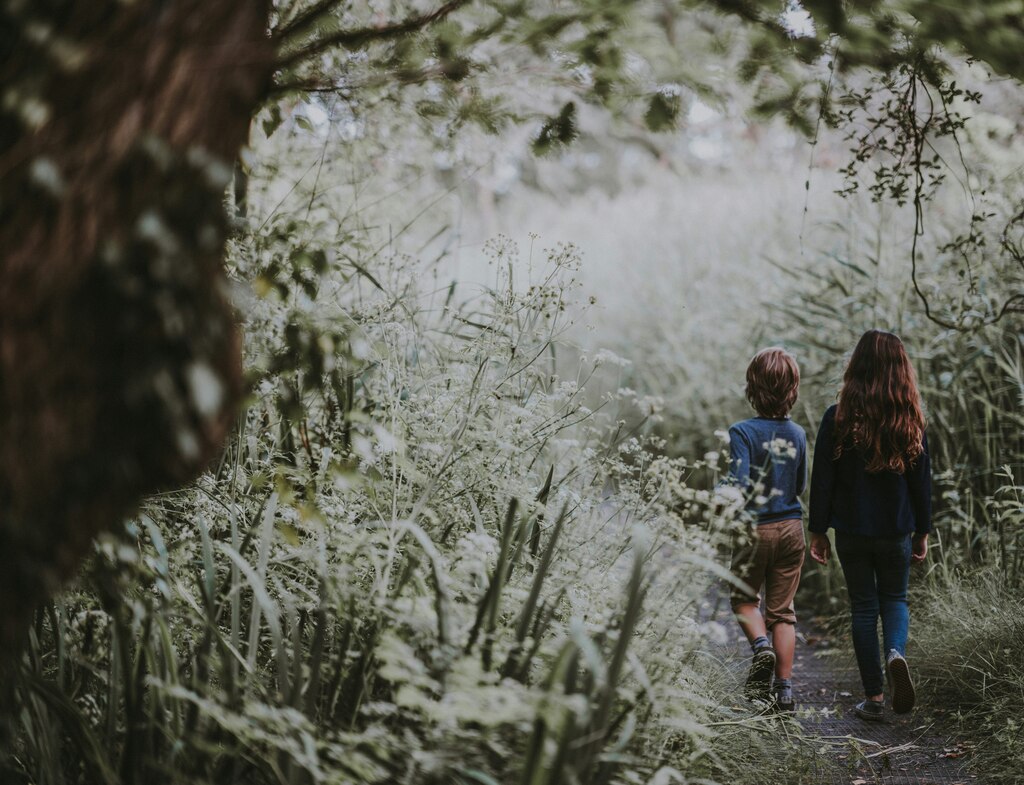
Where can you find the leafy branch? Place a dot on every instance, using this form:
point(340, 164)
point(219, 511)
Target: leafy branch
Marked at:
point(896, 136)
point(351, 39)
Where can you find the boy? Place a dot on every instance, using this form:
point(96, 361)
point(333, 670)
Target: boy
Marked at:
point(768, 465)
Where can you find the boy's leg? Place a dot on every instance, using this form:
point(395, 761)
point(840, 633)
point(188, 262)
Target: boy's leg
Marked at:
point(748, 614)
point(857, 560)
point(784, 643)
point(762, 664)
point(748, 564)
point(781, 582)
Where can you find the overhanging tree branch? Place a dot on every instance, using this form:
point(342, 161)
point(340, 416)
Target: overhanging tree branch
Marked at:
point(419, 76)
point(305, 19)
point(359, 37)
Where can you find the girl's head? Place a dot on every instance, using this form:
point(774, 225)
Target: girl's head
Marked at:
point(879, 409)
point(773, 381)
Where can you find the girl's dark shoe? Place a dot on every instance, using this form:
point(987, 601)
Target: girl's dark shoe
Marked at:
point(759, 680)
point(901, 686)
point(872, 711)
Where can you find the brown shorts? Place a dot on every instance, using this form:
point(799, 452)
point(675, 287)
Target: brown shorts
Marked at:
point(773, 561)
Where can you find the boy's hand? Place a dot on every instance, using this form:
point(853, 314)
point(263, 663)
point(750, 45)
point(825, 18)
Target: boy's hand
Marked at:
point(919, 548)
point(821, 548)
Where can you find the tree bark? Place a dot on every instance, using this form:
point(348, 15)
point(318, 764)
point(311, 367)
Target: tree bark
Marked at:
point(119, 355)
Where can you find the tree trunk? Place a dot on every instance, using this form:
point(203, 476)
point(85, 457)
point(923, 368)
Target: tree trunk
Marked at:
point(119, 354)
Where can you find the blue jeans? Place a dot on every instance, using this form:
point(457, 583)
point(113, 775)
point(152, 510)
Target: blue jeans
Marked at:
point(877, 571)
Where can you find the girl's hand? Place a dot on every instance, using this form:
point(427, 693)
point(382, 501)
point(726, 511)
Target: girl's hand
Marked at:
point(919, 548)
point(821, 548)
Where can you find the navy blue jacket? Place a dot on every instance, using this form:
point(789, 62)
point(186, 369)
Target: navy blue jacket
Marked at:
point(848, 498)
point(772, 452)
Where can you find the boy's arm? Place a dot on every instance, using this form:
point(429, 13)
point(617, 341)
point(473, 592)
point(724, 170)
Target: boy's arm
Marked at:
point(822, 478)
point(739, 459)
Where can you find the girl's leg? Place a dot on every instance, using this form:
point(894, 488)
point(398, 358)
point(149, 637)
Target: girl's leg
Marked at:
point(857, 559)
point(893, 562)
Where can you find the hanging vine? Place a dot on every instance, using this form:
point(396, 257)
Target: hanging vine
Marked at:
point(899, 121)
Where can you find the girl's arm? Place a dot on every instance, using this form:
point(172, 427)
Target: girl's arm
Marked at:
point(822, 478)
point(919, 483)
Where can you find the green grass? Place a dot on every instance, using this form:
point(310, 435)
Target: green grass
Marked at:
point(968, 638)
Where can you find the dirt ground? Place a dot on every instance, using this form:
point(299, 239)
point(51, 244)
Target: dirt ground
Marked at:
point(913, 749)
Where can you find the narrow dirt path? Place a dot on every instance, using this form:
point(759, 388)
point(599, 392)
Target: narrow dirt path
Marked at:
point(912, 749)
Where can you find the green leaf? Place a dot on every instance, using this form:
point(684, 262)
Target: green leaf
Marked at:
point(662, 111)
point(558, 131)
point(273, 120)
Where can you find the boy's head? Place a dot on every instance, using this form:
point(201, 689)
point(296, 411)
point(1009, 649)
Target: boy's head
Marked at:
point(773, 380)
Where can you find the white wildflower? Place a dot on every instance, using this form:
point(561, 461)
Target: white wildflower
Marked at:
point(606, 357)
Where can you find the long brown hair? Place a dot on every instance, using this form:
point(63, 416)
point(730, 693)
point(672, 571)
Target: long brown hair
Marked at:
point(879, 410)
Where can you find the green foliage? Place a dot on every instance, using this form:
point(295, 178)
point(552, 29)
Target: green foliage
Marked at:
point(422, 558)
point(640, 61)
point(558, 131)
point(971, 387)
point(973, 634)
point(662, 112)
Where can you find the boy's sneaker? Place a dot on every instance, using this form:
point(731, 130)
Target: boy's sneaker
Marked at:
point(784, 699)
point(901, 686)
point(872, 711)
point(759, 680)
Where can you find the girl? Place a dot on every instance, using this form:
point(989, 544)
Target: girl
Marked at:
point(871, 482)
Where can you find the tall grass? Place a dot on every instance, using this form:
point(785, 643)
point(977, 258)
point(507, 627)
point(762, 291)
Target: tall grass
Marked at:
point(970, 381)
point(422, 558)
point(969, 634)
